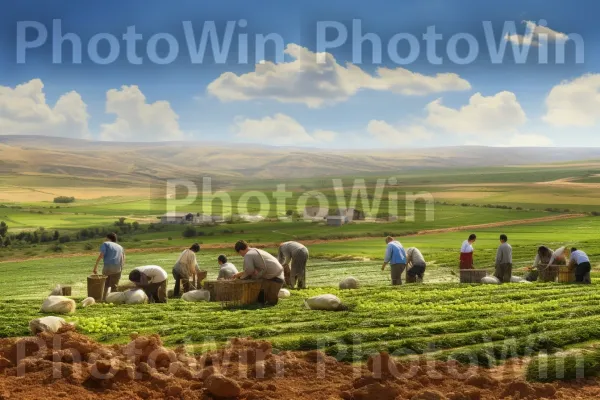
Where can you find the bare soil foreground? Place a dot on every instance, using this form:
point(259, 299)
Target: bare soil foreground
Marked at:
point(70, 366)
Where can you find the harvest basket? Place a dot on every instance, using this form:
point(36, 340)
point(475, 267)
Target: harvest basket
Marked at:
point(472, 275)
point(65, 290)
point(548, 274)
point(234, 293)
point(566, 275)
point(95, 286)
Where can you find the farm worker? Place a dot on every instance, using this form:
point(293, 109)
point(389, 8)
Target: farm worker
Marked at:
point(260, 265)
point(558, 257)
point(226, 269)
point(186, 269)
point(542, 259)
point(152, 279)
point(504, 260)
point(466, 252)
point(417, 264)
point(396, 257)
point(297, 253)
point(580, 261)
point(114, 260)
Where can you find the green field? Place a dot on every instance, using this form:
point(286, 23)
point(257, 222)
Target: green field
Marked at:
point(471, 323)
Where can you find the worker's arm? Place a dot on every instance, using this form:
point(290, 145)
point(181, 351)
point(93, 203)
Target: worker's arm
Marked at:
point(388, 256)
point(100, 257)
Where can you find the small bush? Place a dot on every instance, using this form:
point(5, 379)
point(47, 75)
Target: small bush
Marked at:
point(88, 246)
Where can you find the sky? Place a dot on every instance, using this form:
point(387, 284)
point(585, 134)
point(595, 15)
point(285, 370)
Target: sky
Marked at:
point(325, 74)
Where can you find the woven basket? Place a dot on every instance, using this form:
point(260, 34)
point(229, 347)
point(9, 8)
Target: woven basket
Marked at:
point(235, 293)
point(472, 275)
point(548, 274)
point(566, 275)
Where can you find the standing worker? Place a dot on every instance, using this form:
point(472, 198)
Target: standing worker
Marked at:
point(504, 260)
point(152, 279)
point(580, 261)
point(297, 253)
point(226, 269)
point(186, 269)
point(260, 265)
point(396, 257)
point(114, 260)
point(466, 252)
point(416, 263)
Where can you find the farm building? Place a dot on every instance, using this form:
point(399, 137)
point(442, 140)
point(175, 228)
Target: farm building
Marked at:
point(177, 218)
point(190, 218)
point(351, 213)
point(336, 220)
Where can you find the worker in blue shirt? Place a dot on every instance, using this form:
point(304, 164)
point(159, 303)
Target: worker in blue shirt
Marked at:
point(396, 257)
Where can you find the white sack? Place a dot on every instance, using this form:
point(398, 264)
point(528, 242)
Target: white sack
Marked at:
point(135, 296)
point(196, 295)
point(284, 294)
point(517, 279)
point(116, 298)
point(325, 302)
point(490, 280)
point(57, 291)
point(349, 283)
point(46, 324)
point(88, 301)
point(58, 305)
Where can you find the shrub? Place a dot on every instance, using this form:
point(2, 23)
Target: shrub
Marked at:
point(189, 231)
point(64, 239)
point(169, 238)
point(88, 246)
point(57, 248)
point(64, 199)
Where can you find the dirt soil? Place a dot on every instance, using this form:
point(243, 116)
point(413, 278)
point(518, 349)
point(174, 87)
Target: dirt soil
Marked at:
point(69, 365)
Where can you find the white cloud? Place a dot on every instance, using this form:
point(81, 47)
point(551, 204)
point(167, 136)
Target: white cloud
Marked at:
point(137, 120)
point(574, 103)
point(306, 81)
point(483, 115)
point(532, 35)
point(24, 111)
point(386, 133)
point(279, 130)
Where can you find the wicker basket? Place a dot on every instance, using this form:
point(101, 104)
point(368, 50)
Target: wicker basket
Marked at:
point(566, 275)
point(234, 293)
point(472, 275)
point(66, 290)
point(548, 274)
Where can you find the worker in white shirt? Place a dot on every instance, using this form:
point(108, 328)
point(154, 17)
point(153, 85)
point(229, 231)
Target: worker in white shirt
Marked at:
point(580, 261)
point(152, 279)
point(416, 263)
point(466, 252)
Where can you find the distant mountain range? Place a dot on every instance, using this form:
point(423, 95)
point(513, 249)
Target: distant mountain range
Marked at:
point(41, 155)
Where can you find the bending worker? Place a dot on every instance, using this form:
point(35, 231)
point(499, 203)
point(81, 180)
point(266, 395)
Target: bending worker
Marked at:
point(297, 253)
point(396, 257)
point(580, 261)
point(152, 279)
point(416, 263)
point(187, 271)
point(260, 265)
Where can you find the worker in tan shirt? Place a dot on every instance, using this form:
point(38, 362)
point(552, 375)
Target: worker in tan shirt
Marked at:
point(260, 265)
point(187, 271)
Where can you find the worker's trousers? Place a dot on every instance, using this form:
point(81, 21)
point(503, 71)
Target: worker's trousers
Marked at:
point(503, 272)
point(582, 273)
point(396, 271)
point(297, 273)
point(156, 292)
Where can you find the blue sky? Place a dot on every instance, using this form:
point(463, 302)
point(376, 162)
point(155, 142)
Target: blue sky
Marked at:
point(304, 103)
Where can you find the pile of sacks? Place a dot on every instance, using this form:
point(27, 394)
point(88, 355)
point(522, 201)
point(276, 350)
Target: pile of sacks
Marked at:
point(492, 280)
